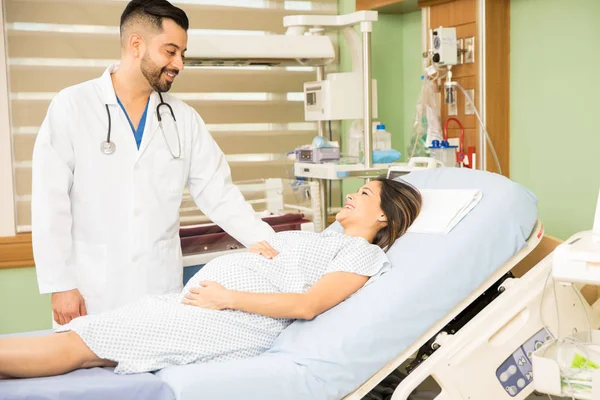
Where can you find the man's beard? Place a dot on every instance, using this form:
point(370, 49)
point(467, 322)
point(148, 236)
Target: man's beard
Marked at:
point(154, 75)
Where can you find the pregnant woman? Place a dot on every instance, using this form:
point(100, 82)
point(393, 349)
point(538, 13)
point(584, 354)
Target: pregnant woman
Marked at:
point(237, 305)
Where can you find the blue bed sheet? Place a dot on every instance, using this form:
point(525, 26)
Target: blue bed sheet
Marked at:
point(88, 384)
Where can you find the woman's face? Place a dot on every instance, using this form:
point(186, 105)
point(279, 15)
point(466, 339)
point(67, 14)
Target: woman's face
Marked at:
point(363, 207)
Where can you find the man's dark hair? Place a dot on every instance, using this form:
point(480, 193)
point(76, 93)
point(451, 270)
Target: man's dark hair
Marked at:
point(153, 12)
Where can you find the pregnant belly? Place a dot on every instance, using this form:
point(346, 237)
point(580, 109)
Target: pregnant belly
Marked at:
point(232, 277)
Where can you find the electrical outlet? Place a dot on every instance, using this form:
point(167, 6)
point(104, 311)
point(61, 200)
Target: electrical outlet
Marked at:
point(450, 99)
point(469, 107)
point(452, 109)
point(460, 59)
point(469, 54)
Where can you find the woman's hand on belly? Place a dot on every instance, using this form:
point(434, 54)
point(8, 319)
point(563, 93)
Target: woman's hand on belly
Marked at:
point(211, 295)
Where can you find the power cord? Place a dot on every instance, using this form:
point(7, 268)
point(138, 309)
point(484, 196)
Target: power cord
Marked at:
point(487, 135)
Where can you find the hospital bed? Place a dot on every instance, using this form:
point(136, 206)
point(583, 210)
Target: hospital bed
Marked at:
point(449, 304)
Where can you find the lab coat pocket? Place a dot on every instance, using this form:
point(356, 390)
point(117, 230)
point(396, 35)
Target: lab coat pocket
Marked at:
point(91, 265)
point(171, 265)
point(170, 173)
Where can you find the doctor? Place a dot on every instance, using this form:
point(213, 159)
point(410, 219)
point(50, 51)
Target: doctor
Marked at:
point(110, 163)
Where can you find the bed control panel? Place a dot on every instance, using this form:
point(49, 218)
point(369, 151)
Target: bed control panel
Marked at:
point(517, 372)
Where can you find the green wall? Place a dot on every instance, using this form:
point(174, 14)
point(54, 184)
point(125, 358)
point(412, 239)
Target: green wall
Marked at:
point(555, 139)
point(22, 308)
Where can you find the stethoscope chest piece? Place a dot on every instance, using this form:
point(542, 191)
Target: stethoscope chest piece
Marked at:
point(107, 147)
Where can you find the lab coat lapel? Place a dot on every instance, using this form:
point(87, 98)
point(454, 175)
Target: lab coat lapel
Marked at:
point(109, 97)
point(120, 129)
point(151, 125)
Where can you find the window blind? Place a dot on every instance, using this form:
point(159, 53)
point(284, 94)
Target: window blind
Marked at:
point(255, 114)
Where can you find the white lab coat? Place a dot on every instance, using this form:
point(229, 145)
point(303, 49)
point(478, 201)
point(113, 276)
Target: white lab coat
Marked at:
point(108, 225)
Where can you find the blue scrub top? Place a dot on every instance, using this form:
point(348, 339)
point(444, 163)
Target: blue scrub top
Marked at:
point(140, 130)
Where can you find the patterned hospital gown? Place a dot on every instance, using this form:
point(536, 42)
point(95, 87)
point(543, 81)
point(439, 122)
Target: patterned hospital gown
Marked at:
point(159, 331)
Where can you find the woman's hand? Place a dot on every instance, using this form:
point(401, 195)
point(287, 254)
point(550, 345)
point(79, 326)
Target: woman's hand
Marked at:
point(264, 249)
point(210, 295)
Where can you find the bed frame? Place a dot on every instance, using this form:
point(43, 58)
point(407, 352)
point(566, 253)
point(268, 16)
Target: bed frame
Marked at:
point(437, 345)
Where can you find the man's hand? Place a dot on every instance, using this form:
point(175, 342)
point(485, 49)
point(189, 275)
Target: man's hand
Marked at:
point(264, 249)
point(67, 306)
point(210, 295)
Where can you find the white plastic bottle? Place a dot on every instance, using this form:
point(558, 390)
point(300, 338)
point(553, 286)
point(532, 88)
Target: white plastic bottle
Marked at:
point(356, 141)
point(382, 140)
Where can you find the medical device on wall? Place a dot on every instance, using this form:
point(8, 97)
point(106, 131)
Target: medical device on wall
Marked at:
point(444, 46)
point(339, 97)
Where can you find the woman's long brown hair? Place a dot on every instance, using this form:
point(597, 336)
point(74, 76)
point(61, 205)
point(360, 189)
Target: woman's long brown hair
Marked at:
point(401, 204)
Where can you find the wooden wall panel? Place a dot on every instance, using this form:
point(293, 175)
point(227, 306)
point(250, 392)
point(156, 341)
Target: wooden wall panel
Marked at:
point(458, 12)
point(498, 78)
point(461, 14)
point(16, 251)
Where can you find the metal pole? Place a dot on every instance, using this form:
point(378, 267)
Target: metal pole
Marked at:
point(368, 100)
point(482, 84)
point(323, 183)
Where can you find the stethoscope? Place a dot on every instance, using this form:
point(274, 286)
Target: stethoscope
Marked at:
point(108, 147)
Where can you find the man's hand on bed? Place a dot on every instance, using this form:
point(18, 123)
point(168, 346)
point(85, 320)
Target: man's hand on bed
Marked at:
point(264, 249)
point(209, 295)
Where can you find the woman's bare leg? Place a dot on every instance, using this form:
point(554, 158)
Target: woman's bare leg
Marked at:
point(55, 354)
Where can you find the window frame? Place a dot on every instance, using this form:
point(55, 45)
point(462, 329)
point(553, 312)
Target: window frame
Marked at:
point(15, 249)
point(8, 223)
